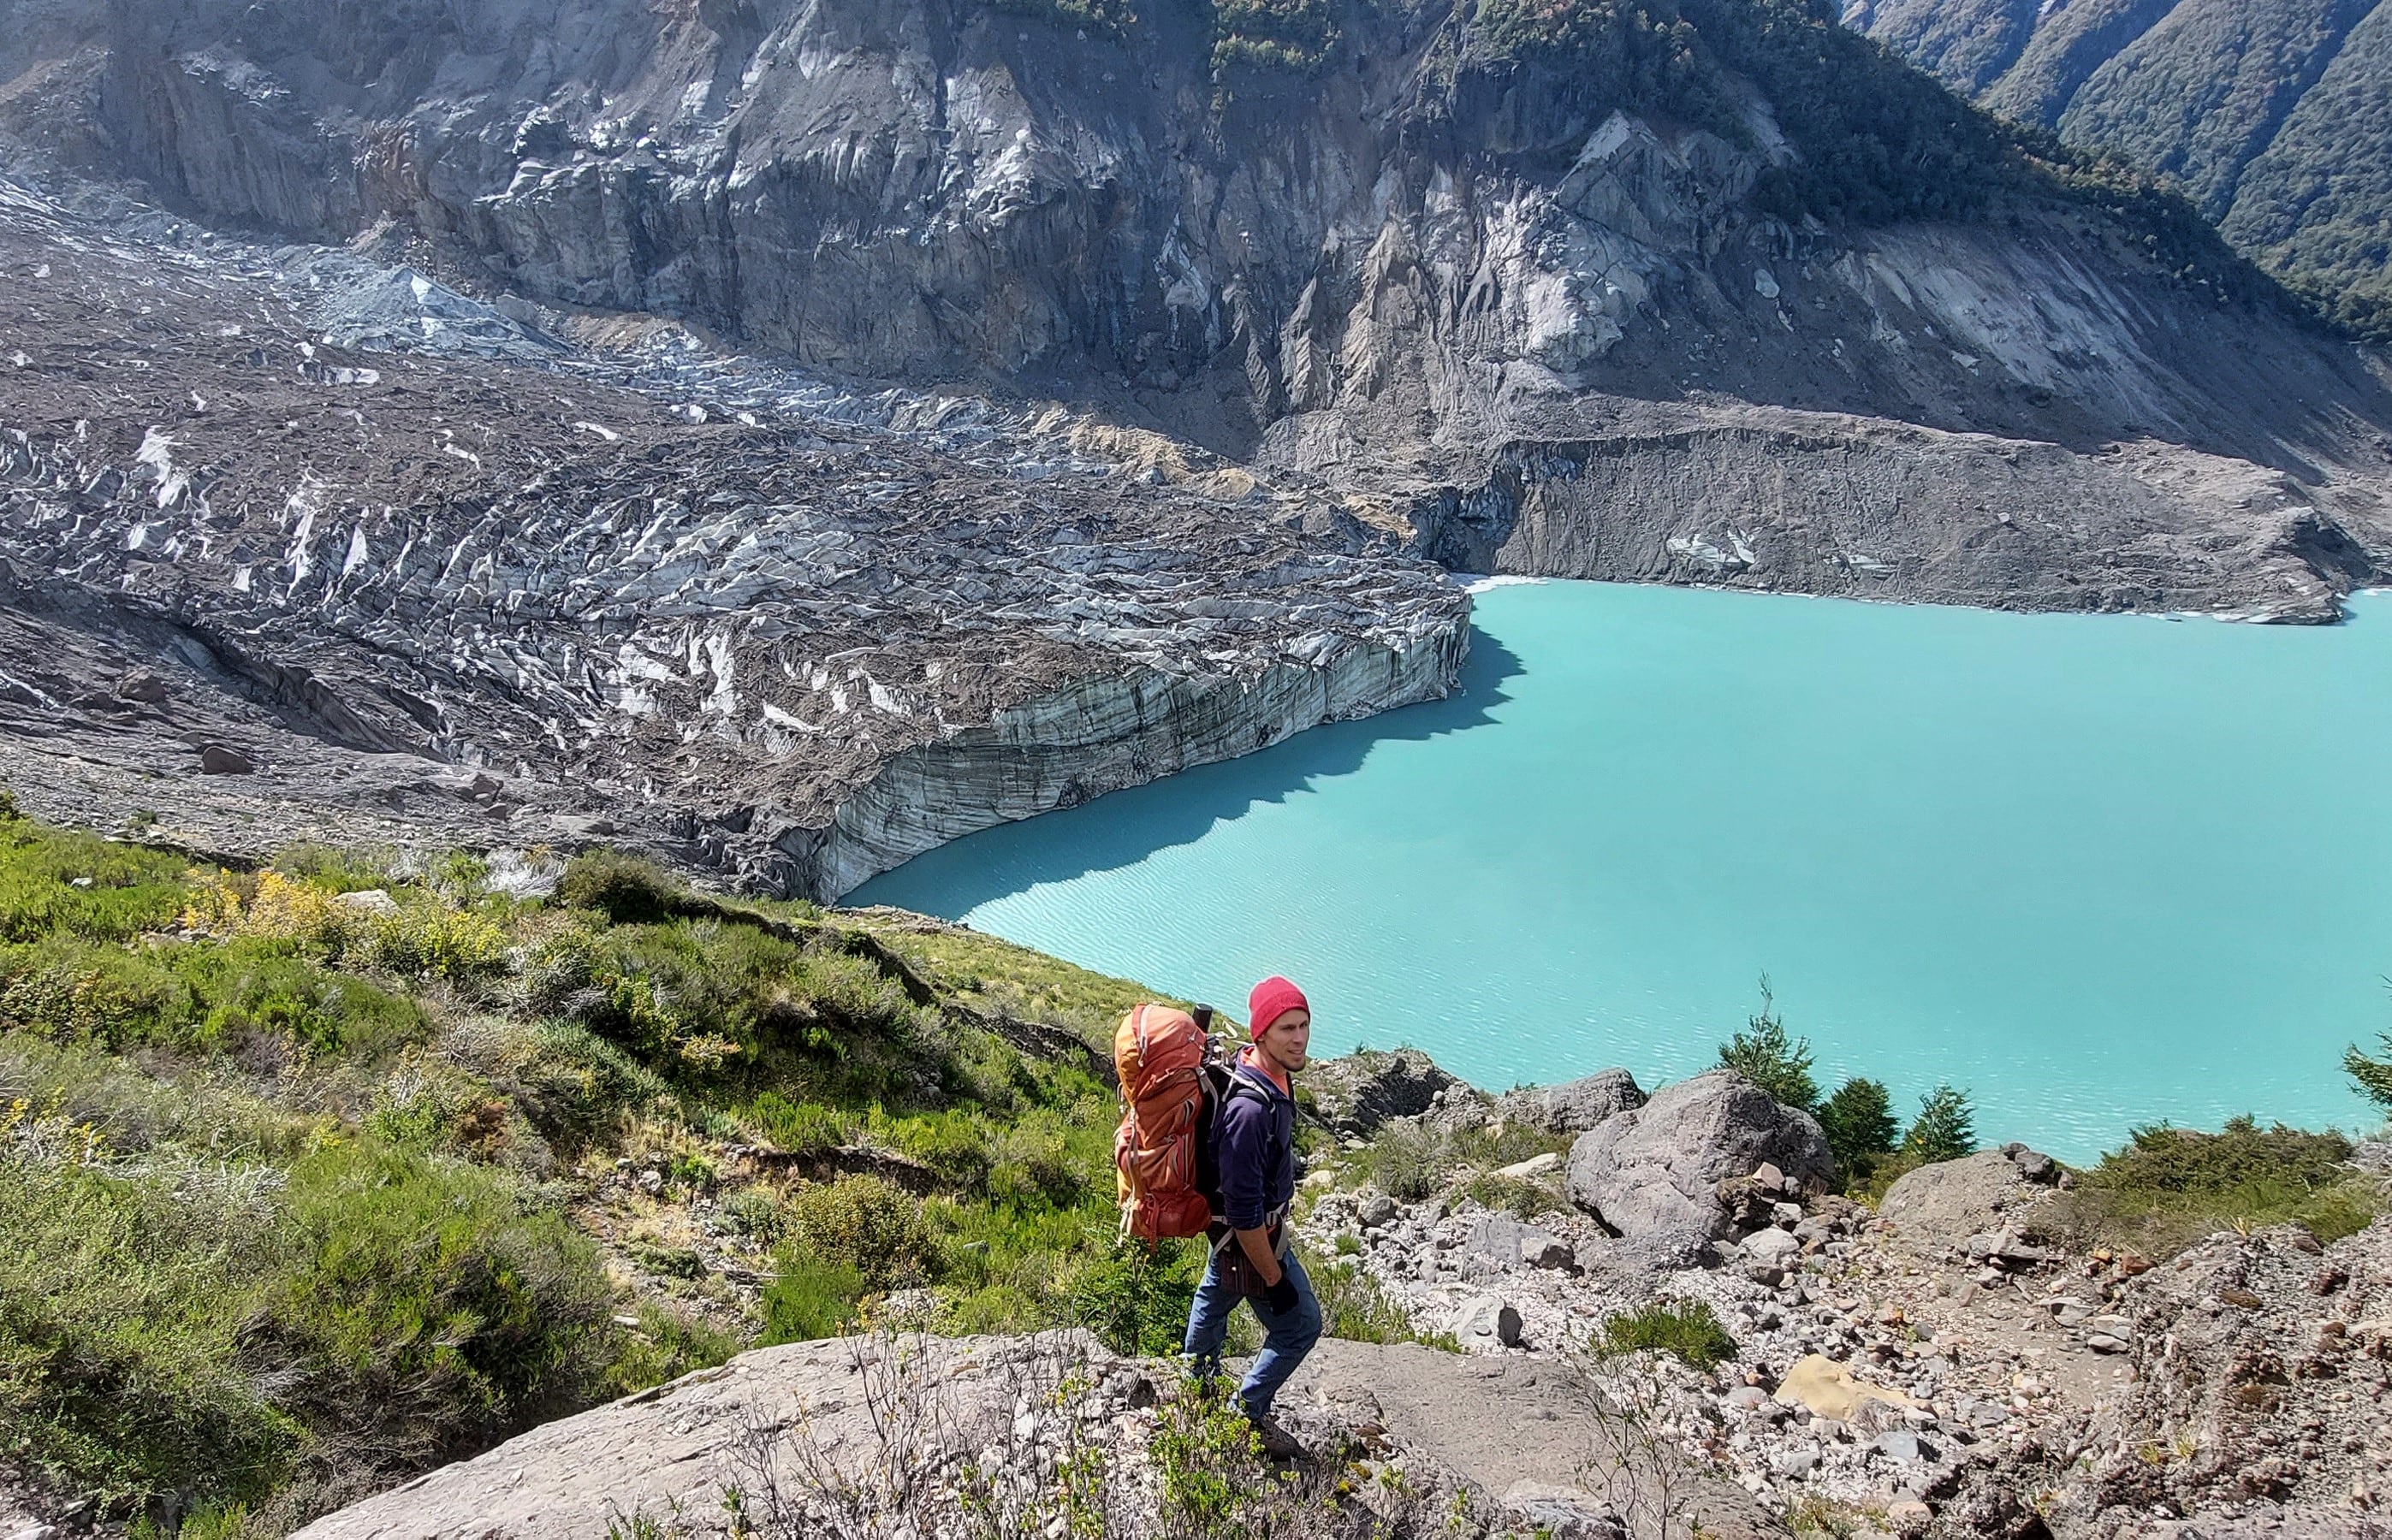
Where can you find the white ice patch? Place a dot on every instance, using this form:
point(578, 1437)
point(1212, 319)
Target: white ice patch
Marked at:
point(156, 452)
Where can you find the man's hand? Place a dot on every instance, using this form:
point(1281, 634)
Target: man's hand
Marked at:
point(1257, 1245)
point(1281, 1295)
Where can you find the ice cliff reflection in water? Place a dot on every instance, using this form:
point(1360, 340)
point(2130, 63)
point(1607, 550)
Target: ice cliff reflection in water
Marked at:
point(2102, 871)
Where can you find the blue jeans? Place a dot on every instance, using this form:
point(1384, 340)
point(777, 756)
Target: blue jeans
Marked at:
point(1287, 1335)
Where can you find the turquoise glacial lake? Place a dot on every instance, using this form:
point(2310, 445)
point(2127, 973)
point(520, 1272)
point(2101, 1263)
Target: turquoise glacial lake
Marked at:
point(2100, 871)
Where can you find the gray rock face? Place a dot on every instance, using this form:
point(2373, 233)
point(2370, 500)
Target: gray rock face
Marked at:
point(1509, 1244)
point(1576, 1106)
point(1357, 1093)
point(1464, 294)
point(1939, 1207)
point(774, 1421)
point(1658, 1167)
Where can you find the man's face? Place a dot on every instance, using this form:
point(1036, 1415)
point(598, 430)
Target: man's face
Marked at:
point(1285, 1041)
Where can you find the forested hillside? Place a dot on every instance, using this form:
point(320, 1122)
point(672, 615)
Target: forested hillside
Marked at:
point(2275, 116)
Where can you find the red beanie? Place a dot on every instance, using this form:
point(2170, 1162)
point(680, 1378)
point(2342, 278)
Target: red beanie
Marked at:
point(1272, 999)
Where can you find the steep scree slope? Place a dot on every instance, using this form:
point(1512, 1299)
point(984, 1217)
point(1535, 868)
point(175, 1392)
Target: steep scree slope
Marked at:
point(1441, 258)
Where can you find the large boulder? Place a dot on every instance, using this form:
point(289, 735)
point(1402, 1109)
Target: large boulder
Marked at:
point(1574, 1107)
point(1363, 1091)
point(1938, 1208)
point(1658, 1167)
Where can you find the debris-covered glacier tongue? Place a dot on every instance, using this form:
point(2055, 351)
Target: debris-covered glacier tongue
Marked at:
point(491, 591)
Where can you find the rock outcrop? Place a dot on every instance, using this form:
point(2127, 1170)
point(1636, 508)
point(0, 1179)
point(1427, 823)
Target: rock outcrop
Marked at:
point(1485, 296)
point(793, 1428)
point(1658, 1167)
point(1359, 1093)
point(1941, 1206)
point(1574, 1107)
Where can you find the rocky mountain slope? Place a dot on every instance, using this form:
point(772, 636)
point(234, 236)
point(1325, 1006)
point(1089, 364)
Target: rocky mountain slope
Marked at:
point(2269, 113)
point(1948, 1365)
point(1587, 290)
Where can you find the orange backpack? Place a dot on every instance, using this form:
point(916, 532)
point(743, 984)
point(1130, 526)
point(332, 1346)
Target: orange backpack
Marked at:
point(1163, 1151)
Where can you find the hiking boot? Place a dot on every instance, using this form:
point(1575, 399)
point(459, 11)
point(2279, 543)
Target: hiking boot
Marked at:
point(1275, 1440)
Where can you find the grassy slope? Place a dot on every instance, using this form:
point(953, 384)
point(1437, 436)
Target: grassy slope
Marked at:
point(301, 1192)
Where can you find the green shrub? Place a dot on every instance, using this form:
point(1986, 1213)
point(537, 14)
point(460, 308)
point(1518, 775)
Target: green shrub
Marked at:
point(810, 1298)
point(863, 1223)
point(804, 1129)
point(125, 890)
point(1945, 1128)
point(624, 888)
point(1111, 17)
point(73, 991)
point(428, 1310)
point(1033, 1162)
point(1859, 1123)
point(132, 1111)
point(1686, 1329)
point(1403, 1162)
point(1354, 1307)
point(575, 1085)
point(259, 986)
point(336, 871)
point(757, 1213)
point(1766, 1056)
point(1134, 1300)
point(431, 940)
point(664, 1346)
point(1510, 1194)
point(2372, 1076)
point(2169, 1187)
point(1275, 34)
point(123, 1301)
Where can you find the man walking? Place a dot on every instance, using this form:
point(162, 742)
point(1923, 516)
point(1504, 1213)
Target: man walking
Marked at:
point(1254, 1150)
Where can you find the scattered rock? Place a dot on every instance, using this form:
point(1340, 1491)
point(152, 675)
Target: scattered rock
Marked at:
point(1531, 1169)
point(1827, 1389)
point(142, 685)
point(1937, 1208)
point(1574, 1107)
point(1485, 1324)
point(1565, 1513)
point(369, 901)
point(2069, 1311)
point(1771, 1248)
point(1378, 1210)
point(1902, 1446)
point(217, 759)
point(1508, 1243)
point(1667, 1250)
point(2032, 1165)
point(1658, 1167)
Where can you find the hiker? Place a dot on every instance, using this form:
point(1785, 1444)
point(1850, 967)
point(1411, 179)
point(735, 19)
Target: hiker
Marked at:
point(1254, 1150)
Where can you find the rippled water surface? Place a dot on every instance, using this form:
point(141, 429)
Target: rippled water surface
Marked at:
point(2101, 871)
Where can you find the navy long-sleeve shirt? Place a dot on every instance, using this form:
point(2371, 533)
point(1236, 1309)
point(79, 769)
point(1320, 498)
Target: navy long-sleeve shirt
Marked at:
point(1254, 1148)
